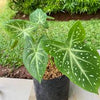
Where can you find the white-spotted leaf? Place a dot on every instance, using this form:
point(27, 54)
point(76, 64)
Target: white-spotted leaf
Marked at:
point(76, 33)
point(75, 59)
point(80, 63)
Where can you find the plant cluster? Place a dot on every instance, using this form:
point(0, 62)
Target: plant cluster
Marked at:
point(27, 6)
point(81, 6)
point(72, 6)
point(73, 57)
point(9, 57)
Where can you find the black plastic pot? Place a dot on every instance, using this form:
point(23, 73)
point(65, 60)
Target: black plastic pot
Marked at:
point(54, 89)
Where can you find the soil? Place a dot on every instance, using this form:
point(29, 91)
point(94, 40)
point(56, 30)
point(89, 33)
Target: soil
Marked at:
point(14, 73)
point(51, 71)
point(64, 16)
point(21, 72)
point(61, 16)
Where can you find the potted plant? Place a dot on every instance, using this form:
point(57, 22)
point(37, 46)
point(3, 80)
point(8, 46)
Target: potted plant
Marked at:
point(73, 58)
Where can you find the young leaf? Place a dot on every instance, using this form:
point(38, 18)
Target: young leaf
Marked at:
point(18, 28)
point(76, 33)
point(38, 17)
point(35, 58)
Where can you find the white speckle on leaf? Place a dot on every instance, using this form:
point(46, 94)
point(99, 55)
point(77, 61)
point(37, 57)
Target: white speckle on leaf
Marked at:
point(91, 75)
point(63, 54)
point(80, 47)
point(83, 57)
point(96, 79)
point(68, 72)
point(75, 74)
point(59, 56)
point(79, 79)
point(92, 68)
point(94, 83)
point(95, 57)
point(97, 63)
point(81, 53)
point(83, 79)
point(97, 73)
point(47, 45)
point(68, 66)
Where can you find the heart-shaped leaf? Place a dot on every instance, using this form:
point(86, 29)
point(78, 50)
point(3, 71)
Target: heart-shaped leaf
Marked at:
point(18, 28)
point(38, 17)
point(80, 63)
point(35, 58)
point(75, 59)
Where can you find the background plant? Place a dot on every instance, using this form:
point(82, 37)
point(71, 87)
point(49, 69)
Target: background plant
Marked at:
point(72, 6)
point(81, 6)
point(8, 57)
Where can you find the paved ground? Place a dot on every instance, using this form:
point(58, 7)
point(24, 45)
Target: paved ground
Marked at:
point(76, 93)
point(15, 89)
point(20, 89)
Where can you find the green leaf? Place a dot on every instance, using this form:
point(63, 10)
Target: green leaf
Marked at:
point(49, 17)
point(14, 43)
point(35, 58)
point(80, 63)
point(76, 33)
point(38, 17)
point(19, 28)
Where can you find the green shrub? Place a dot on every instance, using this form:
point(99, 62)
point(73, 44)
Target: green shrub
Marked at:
point(81, 6)
point(72, 6)
point(28, 6)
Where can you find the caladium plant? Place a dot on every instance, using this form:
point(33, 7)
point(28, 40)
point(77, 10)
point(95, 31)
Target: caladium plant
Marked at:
point(74, 58)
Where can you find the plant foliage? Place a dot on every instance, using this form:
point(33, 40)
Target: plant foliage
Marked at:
point(57, 30)
point(72, 6)
point(8, 57)
point(34, 54)
point(74, 58)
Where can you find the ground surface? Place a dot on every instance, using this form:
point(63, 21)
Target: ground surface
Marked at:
point(51, 72)
point(23, 89)
point(64, 16)
point(14, 73)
